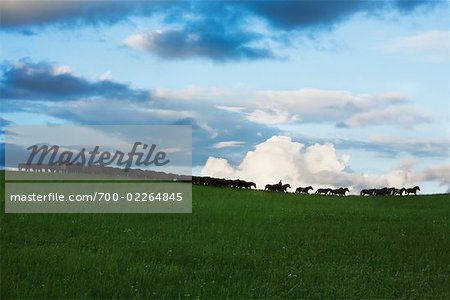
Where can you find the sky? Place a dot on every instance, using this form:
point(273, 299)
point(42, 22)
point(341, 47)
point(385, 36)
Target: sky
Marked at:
point(322, 93)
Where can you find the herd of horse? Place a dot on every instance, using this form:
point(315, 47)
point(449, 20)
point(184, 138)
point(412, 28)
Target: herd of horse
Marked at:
point(205, 180)
point(390, 191)
point(280, 187)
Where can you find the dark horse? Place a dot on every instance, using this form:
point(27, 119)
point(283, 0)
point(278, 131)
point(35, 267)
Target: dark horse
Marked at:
point(398, 192)
point(303, 189)
point(369, 192)
point(339, 191)
point(249, 184)
point(412, 190)
point(383, 191)
point(244, 184)
point(323, 191)
point(277, 187)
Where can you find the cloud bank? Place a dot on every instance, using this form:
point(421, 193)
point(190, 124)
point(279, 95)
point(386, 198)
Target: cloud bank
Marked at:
point(57, 91)
point(343, 108)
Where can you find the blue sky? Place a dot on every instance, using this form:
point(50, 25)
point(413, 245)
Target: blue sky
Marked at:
point(369, 78)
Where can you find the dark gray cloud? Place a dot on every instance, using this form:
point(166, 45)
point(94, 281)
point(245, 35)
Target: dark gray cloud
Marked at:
point(26, 80)
point(285, 14)
point(410, 5)
point(216, 30)
point(324, 14)
point(305, 14)
point(210, 39)
point(219, 31)
point(34, 13)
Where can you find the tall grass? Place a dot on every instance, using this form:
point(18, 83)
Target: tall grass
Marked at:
point(235, 244)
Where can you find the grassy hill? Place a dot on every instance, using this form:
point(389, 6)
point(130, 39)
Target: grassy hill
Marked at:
point(246, 244)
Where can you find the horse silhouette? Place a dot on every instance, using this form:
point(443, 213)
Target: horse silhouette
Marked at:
point(277, 187)
point(398, 192)
point(242, 184)
point(369, 192)
point(412, 190)
point(323, 191)
point(249, 185)
point(303, 189)
point(339, 192)
point(384, 191)
point(284, 187)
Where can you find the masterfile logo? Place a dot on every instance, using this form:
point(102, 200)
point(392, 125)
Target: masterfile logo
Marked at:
point(84, 157)
point(105, 168)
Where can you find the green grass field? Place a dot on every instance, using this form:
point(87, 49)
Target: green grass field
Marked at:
point(235, 244)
